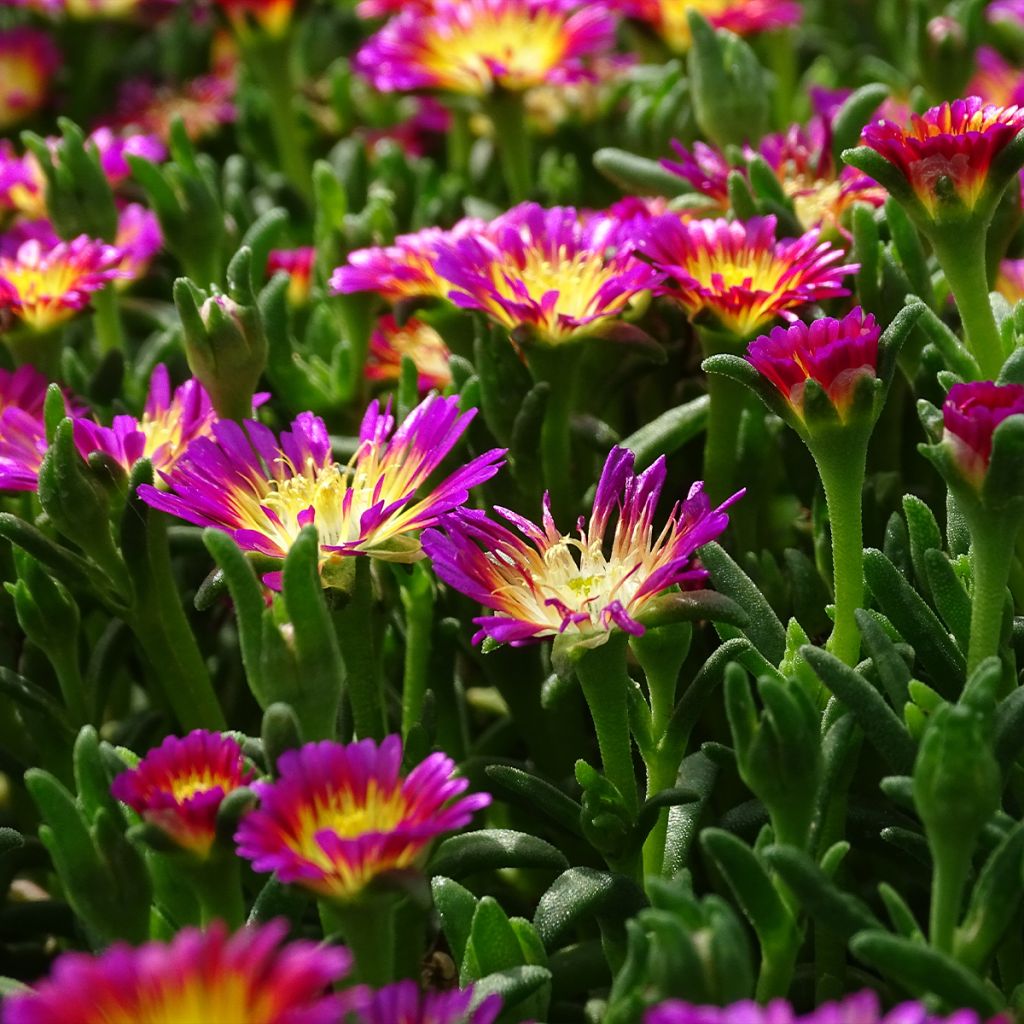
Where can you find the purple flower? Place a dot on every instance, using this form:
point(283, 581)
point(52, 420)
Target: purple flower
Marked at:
point(405, 1003)
point(544, 582)
point(22, 430)
point(970, 416)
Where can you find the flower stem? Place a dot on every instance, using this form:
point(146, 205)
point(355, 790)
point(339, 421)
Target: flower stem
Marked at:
point(218, 887)
point(842, 476)
point(602, 674)
point(991, 557)
point(951, 867)
point(961, 255)
point(558, 367)
point(513, 142)
point(354, 626)
point(728, 399)
point(107, 320)
point(418, 601)
point(368, 928)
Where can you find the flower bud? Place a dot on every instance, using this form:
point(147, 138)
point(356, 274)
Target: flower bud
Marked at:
point(970, 416)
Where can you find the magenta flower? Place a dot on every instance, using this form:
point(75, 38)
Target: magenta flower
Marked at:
point(414, 339)
point(339, 816)
point(861, 1008)
point(28, 60)
point(1010, 280)
point(406, 268)
point(834, 353)
point(298, 265)
point(743, 17)
point(406, 1003)
point(551, 583)
point(705, 169)
point(995, 79)
point(42, 286)
point(263, 490)
point(204, 105)
point(114, 148)
point(199, 975)
point(952, 145)
point(22, 430)
point(139, 238)
point(970, 416)
point(180, 785)
point(1005, 10)
point(475, 46)
point(738, 273)
point(22, 188)
point(548, 271)
point(168, 425)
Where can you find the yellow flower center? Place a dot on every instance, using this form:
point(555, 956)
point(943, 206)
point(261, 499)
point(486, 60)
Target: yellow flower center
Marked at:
point(41, 286)
point(675, 29)
point(227, 997)
point(100, 8)
point(186, 786)
point(21, 88)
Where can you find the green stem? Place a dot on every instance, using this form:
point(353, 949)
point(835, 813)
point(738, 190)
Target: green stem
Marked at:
point(513, 142)
point(459, 141)
point(776, 974)
point(961, 254)
point(842, 476)
point(368, 928)
point(107, 320)
point(951, 867)
point(991, 556)
point(354, 625)
point(558, 366)
point(418, 602)
point(218, 887)
point(603, 677)
point(721, 442)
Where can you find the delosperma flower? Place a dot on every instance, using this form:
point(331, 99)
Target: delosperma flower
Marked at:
point(948, 150)
point(22, 430)
point(475, 46)
point(414, 339)
point(298, 265)
point(544, 582)
point(548, 271)
point(405, 1002)
point(406, 269)
point(28, 60)
point(1010, 280)
point(860, 1008)
point(139, 238)
point(743, 17)
point(168, 425)
point(705, 169)
point(180, 785)
point(970, 416)
point(263, 490)
point(269, 16)
point(834, 353)
point(41, 286)
point(738, 273)
point(995, 79)
point(251, 976)
point(338, 816)
point(204, 105)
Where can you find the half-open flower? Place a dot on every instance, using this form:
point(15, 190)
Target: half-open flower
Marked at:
point(298, 265)
point(553, 272)
point(743, 17)
point(28, 59)
point(418, 341)
point(197, 976)
point(738, 273)
point(339, 816)
point(475, 46)
point(406, 1002)
point(263, 490)
point(179, 786)
point(970, 416)
point(22, 429)
point(542, 582)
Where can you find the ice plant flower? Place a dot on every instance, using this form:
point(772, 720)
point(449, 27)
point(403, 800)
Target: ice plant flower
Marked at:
point(22, 429)
point(705, 169)
point(948, 151)
point(139, 238)
point(272, 17)
point(407, 1003)
point(544, 582)
point(996, 80)
point(339, 816)
point(28, 60)
point(860, 1008)
point(22, 187)
point(168, 425)
point(114, 148)
point(475, 46)
point(298, 265)
point(41, 285)
point(197, 976)
point(742, 17)
point(180, 785)
point(415, 339)
point(738, 273)
point(1010, 280)
point(547, 271)
point(262, 490)
point(970, 416)
point(405, 269)
point(834, 353)
point(204, 104)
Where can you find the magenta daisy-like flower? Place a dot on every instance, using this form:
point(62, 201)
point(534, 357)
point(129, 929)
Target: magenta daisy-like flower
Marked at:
point(834, 353)
point(970, 416)
point(544, 582)
point(204, 105)
point(339, 816)
point(738, 273)
point(950, 147)
point(22, 187)
point(263, 490)
point(298, 265)
point(549, 271)
point(43, 285)
point(197, 976)
point(405, 269)
point(114, 148)
point(743, 17)
point(705, 169)
point(22, 429)
point(406, 1002)
point(860, 1008)
point(1010, 280)
point(180, 785)
point(139, 238)
point(475, 46)
point(416, 340)
point(28, 60)
point(169, 423)
point(995, 79)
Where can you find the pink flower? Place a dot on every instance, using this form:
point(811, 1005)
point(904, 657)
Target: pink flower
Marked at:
point(971, 414)
point(28, 60)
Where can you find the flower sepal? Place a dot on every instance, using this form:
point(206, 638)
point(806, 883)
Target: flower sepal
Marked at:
point(691, 606)
point(608, 824)
point(570, 647)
